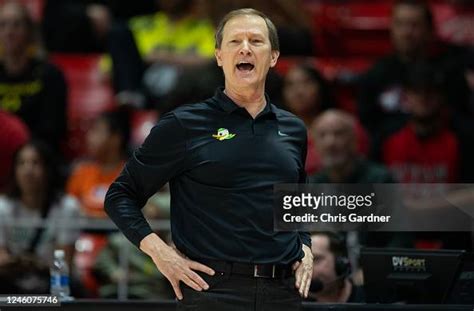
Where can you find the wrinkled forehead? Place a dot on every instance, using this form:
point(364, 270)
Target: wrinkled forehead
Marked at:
point(245, 24)
point(402, 11)
point(319, 244)
point(335, 123)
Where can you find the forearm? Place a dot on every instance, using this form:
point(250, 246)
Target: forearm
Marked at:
point(125, 212)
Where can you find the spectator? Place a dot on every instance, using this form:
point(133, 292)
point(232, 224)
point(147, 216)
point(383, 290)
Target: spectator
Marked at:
point(332, 271)
point(425, 150)
point(151, 50)
point(306, 93)
point(335, 137)
point(82, 26)
point(36, 196)
point(107, 142)
point(380, 104)
point(13, 134)
point(30, 87)
point(334, 132)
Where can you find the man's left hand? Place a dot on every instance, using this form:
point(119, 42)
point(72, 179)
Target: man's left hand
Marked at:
point(304, 271)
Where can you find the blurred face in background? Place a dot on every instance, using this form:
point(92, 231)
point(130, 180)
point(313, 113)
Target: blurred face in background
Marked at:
point(30, 172)
point(410, 30)
point(100, 140)
point(334, 136)
point(323, 266)
point(301, 93)
point(15, 35)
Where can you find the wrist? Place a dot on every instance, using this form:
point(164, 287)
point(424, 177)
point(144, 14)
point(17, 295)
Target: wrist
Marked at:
point(152, 245)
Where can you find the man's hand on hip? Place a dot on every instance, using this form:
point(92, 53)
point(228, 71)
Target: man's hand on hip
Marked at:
point(173, 265)
point(304, 271)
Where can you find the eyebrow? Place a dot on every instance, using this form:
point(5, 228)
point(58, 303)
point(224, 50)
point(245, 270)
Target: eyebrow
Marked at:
point(255, 34)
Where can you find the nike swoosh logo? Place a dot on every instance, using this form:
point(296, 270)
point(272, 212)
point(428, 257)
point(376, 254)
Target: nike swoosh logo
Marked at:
point(282, 134)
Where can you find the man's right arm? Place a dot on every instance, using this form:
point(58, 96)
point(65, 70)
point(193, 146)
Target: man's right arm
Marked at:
point(160, 158)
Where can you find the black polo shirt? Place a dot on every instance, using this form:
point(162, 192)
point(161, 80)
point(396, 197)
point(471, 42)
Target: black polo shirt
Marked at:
point(222, 165)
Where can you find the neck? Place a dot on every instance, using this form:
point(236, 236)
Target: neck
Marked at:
point(341, 172)
point(33, 200)
point(252, 99)
point(15, 63)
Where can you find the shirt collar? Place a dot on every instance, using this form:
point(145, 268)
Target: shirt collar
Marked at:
point(229, 106)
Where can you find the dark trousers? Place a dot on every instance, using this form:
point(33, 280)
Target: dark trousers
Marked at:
point(242, 293)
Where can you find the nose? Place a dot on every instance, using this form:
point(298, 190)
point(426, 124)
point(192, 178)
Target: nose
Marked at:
point(245, 48)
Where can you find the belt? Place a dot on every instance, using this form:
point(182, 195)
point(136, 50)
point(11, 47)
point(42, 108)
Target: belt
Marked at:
point(246, 269)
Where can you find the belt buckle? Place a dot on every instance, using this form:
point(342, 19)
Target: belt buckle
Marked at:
point(256, 275)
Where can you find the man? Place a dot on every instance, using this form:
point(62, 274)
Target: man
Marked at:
point(381, 105)
point(426, 150)
point(150, 51)
point(222, 158)
point(331, 271)
point(335, 139)
point(334, 132)
point(413, 153)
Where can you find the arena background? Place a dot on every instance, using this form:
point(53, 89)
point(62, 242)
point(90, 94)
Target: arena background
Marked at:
point(88, 80)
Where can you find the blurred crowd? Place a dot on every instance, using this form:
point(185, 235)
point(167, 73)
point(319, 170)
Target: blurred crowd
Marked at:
point(386, 90)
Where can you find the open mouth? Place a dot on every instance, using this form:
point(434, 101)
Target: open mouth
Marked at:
point(245, 66)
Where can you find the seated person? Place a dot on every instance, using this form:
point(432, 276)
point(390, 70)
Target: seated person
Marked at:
point(30, 87)
point(381, 103)
point(425, 150)
point(107, 142)
point(335, 139)
point(334, 132)
point(331, 281)
point(36, 196)
point(149, 53)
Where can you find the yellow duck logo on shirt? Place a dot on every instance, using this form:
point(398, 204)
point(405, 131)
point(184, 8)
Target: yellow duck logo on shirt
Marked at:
point(223, 134)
